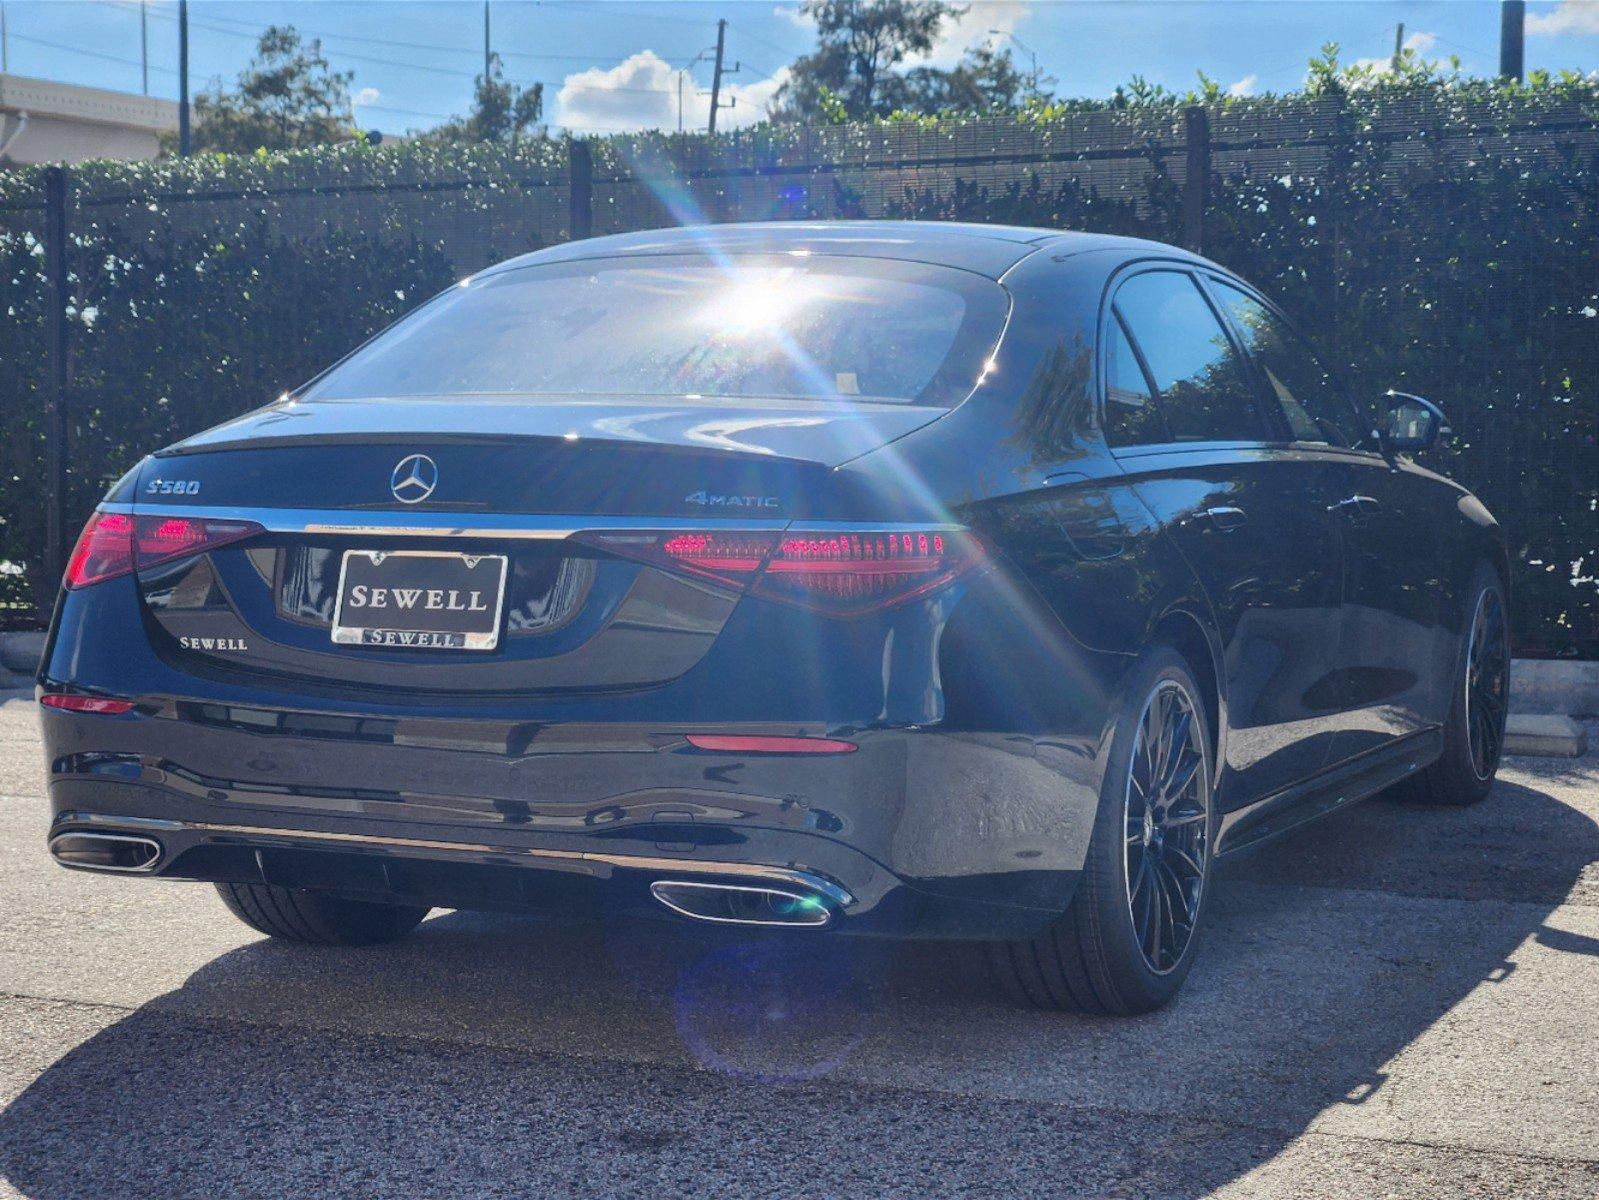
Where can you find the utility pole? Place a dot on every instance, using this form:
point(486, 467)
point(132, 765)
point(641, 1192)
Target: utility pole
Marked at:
point(144, 45)
point(1512, 30)
point(1032, 55)
point(184, 140)
point(716, 79)
point(683, 71)
point(1399, 45)
point(5, 42)
point(487, 53)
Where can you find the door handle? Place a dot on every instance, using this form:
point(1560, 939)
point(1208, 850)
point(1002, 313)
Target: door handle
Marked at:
point(1355, 507)
point(1222, 517)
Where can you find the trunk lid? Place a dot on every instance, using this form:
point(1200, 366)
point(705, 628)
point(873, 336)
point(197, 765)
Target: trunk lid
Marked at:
point(507, 478)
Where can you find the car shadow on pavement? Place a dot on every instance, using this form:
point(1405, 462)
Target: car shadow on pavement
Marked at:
point(487, 1054)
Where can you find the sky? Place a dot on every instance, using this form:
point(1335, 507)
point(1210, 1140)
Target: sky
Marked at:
point(620, 65)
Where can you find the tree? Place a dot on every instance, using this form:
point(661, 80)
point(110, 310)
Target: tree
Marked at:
point(858, 45)
point(286, 99)
point(985, 80)
point(501, 111)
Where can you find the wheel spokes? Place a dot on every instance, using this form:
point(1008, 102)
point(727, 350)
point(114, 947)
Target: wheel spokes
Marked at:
point(1486, 684)
point(1166, 814)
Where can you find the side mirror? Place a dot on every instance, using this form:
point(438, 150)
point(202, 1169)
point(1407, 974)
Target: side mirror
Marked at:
point(1412, 424)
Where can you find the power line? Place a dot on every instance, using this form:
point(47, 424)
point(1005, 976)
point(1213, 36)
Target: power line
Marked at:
point(767, 42)
point(613, 13)
point(455, 72)
point(243, 28)
point(38, 41)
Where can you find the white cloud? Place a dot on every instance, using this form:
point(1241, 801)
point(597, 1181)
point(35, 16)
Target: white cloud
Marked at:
point(367, 95)
point(795, 16)
point(983, 21)
point(641, 92)
point(1569, 16)
point(1243, 87)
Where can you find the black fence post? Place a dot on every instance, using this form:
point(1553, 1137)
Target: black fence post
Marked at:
point(55, 394)
point(581, 190)
point(1196, 179)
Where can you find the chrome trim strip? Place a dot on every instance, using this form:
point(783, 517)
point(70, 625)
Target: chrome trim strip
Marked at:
point(381, 523)
point(875, 527)
point(628, 862)
point(533, 526)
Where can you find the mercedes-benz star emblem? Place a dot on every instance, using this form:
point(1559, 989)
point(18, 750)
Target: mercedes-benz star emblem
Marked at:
point(414, 479)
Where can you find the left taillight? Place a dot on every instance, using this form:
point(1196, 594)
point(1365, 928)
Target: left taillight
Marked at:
point(114, 544)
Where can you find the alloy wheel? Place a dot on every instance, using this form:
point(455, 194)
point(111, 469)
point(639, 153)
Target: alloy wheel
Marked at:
point(1167, 824)
point(1487, 683)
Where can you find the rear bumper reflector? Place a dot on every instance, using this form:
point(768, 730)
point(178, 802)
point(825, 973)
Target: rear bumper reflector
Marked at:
point(87, 704)
point(738, 744)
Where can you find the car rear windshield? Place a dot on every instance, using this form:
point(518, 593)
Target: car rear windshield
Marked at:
point(791, 326)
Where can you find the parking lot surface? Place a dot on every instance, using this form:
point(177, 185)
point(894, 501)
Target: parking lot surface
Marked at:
point(1398, 1001)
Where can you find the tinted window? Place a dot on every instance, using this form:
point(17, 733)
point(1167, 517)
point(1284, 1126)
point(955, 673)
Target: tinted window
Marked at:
point(811, 328)
point(1131, 416)
point(1199, 380)
point(1316, 410)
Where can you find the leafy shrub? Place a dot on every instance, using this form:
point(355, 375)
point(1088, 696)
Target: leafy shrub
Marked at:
point(1436, 237)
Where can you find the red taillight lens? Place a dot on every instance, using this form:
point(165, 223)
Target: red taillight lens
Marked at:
point(104, 550)
point(748, 744)
point(839, 573)
point(88, 704)
point(727, 557)
point(113, 544)
point(850, 573)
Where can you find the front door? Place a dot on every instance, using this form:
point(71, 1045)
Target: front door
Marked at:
point(1393, 650)
point(1251, 518)
point(1389, 652)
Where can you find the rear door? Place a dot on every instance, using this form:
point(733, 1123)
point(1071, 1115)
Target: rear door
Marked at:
point(1388, 631)
point(1248, 514)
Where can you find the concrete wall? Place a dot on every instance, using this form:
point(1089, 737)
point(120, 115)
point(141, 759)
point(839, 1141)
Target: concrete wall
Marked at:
point(69, 124)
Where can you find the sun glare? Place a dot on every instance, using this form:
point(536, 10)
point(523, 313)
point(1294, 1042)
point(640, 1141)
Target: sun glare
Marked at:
point(757, 302)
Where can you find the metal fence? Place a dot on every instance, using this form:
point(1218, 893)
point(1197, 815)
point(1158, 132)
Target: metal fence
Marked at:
point(167, 298)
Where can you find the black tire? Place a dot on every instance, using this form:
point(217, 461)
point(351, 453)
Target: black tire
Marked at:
point(317, 918)
point(1093, 959)
point(1463, 774)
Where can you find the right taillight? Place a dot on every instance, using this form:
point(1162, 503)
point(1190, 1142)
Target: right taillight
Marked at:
point(113, 544)
point(840, 573)
point(848, 573)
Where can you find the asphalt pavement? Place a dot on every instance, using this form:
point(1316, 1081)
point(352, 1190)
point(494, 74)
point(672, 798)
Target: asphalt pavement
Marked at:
point(1398, 1001)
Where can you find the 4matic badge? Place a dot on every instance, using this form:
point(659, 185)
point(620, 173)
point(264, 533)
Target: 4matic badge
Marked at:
point(719, 500)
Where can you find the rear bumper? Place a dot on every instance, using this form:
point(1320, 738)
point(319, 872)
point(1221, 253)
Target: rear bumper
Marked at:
point(917, 833)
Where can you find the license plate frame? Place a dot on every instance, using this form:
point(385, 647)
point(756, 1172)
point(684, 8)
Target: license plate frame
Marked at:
point(455, 626)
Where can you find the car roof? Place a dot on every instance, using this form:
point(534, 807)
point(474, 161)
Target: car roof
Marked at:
point(985, 249)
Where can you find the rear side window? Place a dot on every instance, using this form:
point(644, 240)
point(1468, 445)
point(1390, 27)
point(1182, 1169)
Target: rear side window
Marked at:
point(1131, 416)
point(1200, 385)
point(1310, 400)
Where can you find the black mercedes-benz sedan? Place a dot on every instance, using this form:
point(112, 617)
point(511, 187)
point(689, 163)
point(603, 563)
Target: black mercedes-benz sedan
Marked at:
point(936, 581)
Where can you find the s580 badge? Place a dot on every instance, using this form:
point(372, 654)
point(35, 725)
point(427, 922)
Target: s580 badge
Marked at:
point(172, 487)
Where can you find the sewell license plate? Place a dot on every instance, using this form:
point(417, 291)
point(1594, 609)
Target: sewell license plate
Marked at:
point(422, 598)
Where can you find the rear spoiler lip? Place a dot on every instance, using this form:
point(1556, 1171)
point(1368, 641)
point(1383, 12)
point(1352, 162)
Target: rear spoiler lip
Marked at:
point(529, 526)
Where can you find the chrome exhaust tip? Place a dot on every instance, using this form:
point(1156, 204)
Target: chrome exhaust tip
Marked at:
point(122, 853)
point(742, 904)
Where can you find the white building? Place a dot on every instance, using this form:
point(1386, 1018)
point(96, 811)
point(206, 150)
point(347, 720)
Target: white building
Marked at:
point(45, 122)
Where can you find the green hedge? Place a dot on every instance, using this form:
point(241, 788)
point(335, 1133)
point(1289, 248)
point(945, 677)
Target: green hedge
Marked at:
point(1457, 260)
